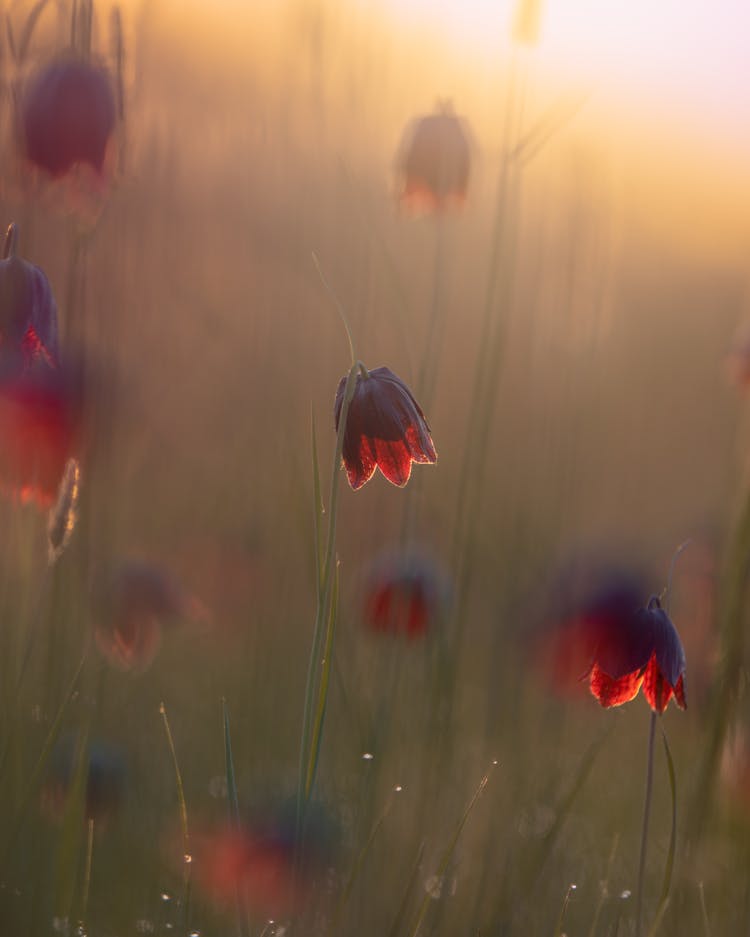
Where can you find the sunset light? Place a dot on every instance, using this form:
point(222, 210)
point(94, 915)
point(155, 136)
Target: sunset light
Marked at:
point(374, 387)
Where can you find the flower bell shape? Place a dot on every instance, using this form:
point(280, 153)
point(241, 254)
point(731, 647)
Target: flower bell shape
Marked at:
point(587, 599)
point(28, 313)
point(68, 115)
point(434, 161)
point(406, 594)
point(132, 606)
point(643, 651)
point(385, 429)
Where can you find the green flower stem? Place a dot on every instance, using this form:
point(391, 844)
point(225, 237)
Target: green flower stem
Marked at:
point(325, 591)
point(644, 830)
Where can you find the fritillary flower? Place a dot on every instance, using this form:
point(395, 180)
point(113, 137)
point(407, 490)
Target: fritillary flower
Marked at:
point(433, 162)
point(385, 429)
point(256, 860)
point(132, 606)
point(68, 116)
point(586, 600)
point(405, 594)
point(645, 650)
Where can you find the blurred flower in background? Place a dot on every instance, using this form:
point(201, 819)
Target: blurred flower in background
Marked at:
point(41, 428)
point(68, 116)
point(104, 765)
point(587, 597)
point(385, 429)
point(132, 605)
point(40, 397)
point(256, 862)
point(406, 593)
point(433, 162)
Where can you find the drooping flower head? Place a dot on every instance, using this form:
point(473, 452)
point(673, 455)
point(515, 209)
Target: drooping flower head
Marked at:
point(433, 162)
point(68, 115)
point(586, 598)
point(406, 594)
point(643, 650)
point(385, 429)
point(132, 606)
point(28, 312)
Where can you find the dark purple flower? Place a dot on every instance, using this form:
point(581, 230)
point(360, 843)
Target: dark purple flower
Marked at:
point(385, 429)
point(643, 650)
point(68, 114)
point(434, 161)
point(28, 313)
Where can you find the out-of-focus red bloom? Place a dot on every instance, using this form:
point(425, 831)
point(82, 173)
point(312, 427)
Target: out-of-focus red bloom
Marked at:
point(40, 421)
point(385, 429)
point(644, 650)
point(105, 779)
point(132, 606)
point(257, 861)
point(28, 315)
point(585, 599)
point(406, 594)
point(68, 114)
point(433, 162)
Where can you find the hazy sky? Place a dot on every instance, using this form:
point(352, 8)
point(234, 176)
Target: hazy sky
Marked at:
point(689, 58)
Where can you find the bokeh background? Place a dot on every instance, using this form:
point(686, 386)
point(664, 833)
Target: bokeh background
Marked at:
point(253, 136)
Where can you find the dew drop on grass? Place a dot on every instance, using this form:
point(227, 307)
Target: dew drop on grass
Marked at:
point(368, 756)
point(187, 858)
point(165, 896)
point(625, 894)
point(398, 788)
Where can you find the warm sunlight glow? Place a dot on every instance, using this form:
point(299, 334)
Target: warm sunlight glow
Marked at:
point(684, 55)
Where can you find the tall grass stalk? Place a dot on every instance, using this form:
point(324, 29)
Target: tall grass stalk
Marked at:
point(450, 850)
point(233, 808)
point(726, 685)
point(187, 858)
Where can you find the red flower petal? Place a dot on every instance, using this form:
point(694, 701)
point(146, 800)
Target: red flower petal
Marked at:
point(385, 428)
point(611, 691)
